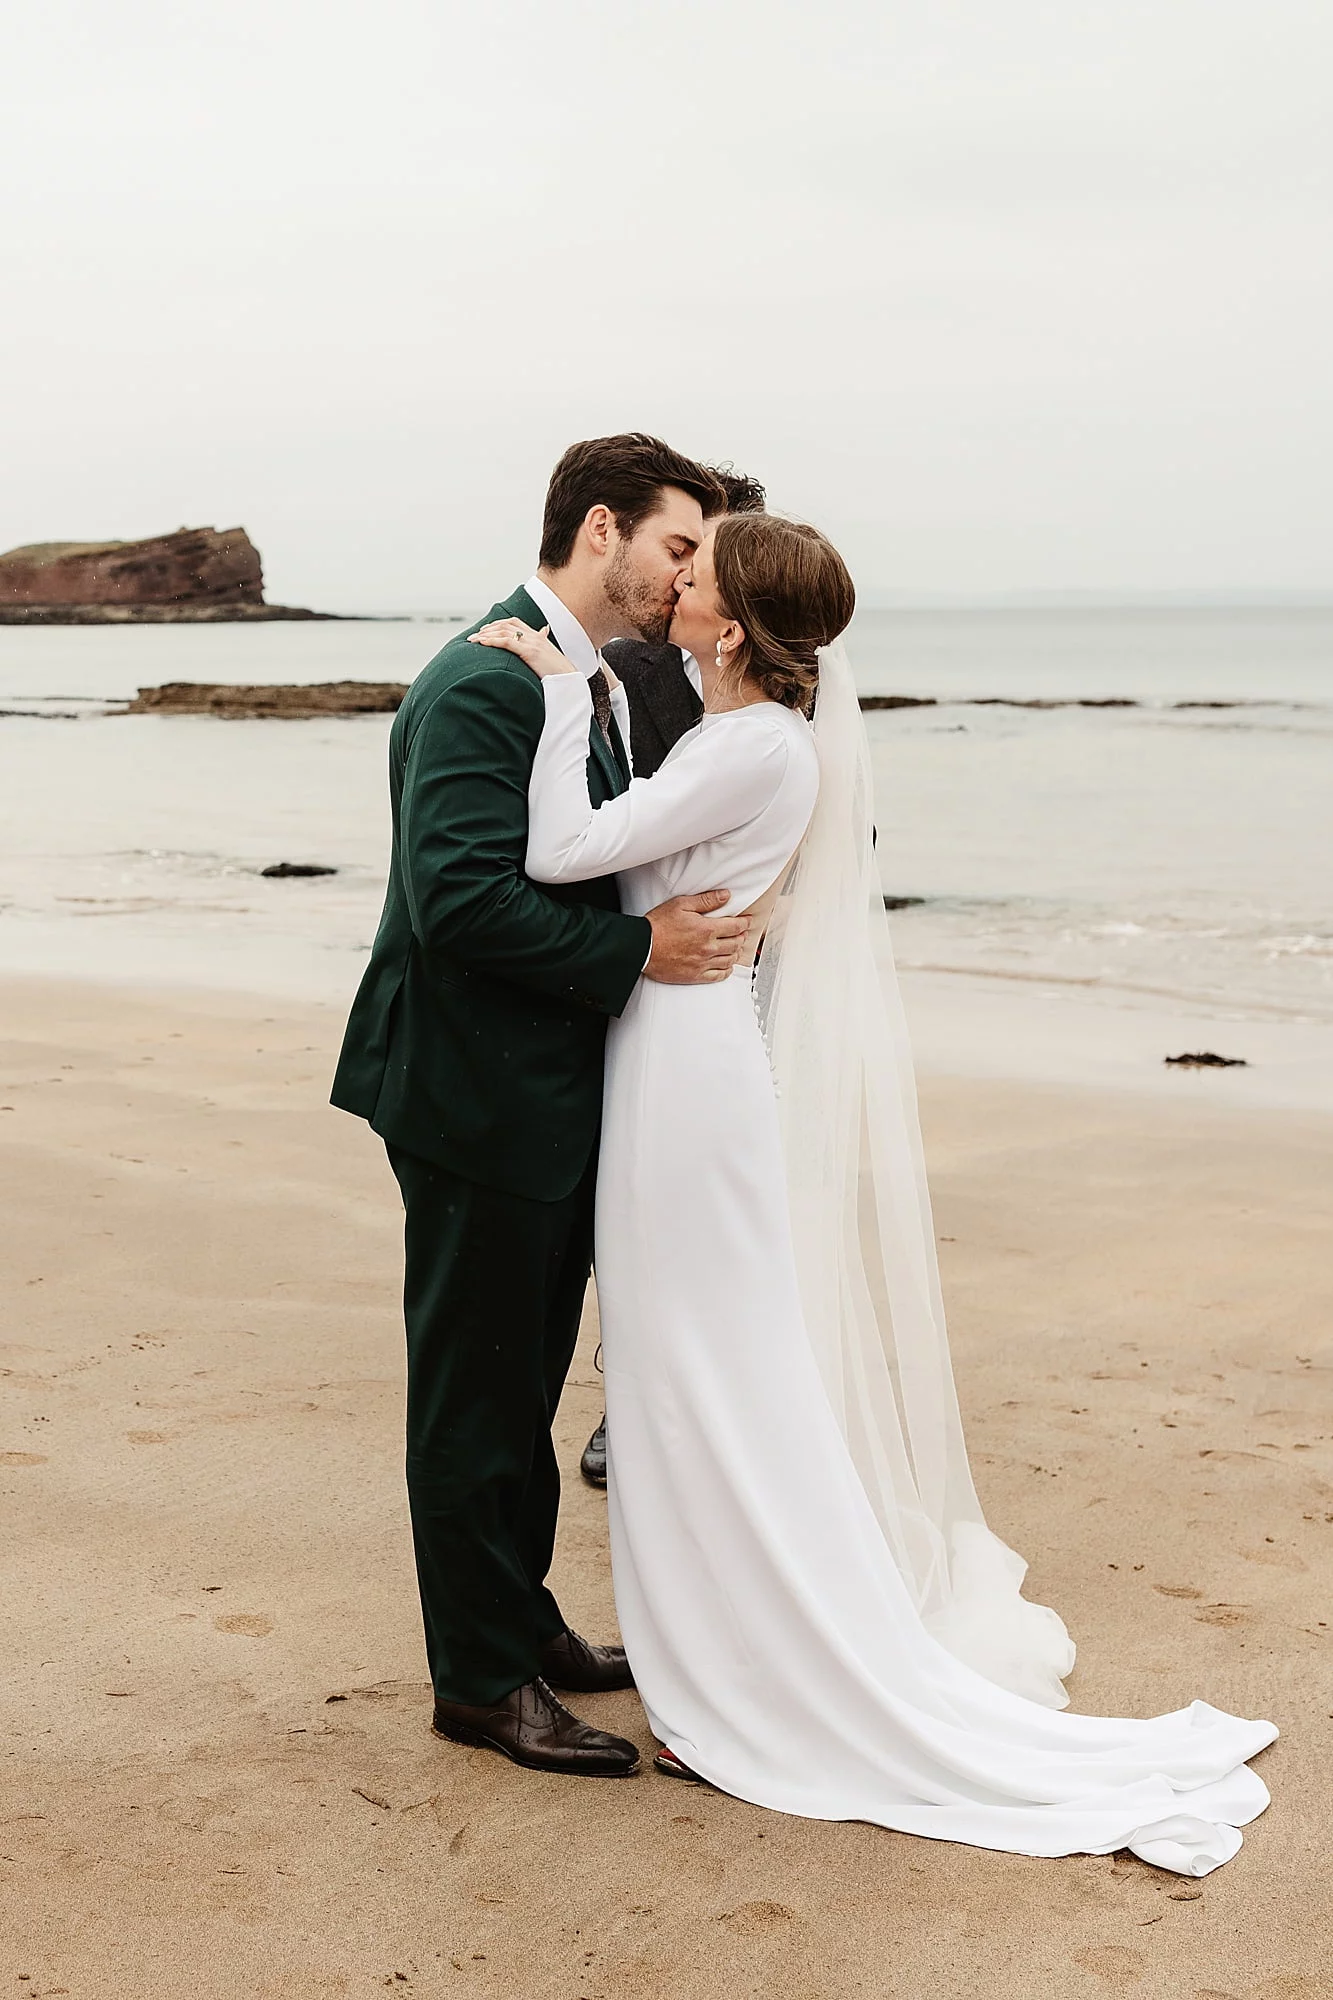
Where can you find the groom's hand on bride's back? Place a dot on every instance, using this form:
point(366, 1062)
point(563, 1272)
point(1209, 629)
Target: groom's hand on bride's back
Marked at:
point(692, 942)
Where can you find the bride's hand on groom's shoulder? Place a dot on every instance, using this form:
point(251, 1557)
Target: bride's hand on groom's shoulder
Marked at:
point(533, 648)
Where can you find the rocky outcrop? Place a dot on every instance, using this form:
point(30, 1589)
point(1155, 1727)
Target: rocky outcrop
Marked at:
point(1205, 1059)
point(194, 575)
point(291, 704)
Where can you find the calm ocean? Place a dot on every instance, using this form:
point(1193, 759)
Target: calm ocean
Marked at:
point(1145, 853)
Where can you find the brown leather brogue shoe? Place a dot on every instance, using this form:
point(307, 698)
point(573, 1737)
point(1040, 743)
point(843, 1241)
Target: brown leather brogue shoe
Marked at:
point(571, 1663)
point(535, 1730)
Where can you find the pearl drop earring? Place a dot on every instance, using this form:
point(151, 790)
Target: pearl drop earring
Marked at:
point(719, 655)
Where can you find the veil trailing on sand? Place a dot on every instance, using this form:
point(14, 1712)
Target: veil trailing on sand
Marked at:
point(828, 1001)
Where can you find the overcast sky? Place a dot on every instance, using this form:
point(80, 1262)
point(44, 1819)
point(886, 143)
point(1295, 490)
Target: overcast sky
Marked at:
point(1004, 294)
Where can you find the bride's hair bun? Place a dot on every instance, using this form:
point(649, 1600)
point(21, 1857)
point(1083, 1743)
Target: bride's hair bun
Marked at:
point(789, 587)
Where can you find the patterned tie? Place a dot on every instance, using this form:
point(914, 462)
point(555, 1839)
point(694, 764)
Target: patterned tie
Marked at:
point(601, 702)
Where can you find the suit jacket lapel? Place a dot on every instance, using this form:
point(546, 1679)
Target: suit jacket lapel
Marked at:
point(607, 759)
point(621, 754)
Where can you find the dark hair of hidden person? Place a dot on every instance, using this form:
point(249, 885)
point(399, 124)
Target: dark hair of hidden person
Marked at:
point(626, 474)
point(743, 495)
point(790, 589)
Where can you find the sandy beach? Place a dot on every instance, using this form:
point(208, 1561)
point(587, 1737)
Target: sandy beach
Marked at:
point(218, 1774)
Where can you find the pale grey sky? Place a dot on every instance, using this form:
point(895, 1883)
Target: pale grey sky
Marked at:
point(1032, 295)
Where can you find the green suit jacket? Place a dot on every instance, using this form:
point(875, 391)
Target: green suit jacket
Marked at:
point(476, 1037)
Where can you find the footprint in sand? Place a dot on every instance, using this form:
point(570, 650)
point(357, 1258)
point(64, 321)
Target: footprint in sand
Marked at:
point(1274, 1558)
point(147, 1437)
point(22, 1458)
point(1114, 1963)
point(1223, 1614)
point(250, 1624)
point(1176, 1590)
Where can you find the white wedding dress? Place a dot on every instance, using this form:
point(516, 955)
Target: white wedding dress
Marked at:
point(787, 1644)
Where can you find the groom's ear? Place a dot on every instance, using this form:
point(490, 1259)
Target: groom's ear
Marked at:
point(599, 525)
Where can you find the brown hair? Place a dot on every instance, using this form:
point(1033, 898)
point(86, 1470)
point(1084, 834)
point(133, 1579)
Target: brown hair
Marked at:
point(626, 474)
point(789, 587)
point(741, 494)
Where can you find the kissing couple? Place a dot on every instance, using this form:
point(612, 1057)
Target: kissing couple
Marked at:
point(650, 1024)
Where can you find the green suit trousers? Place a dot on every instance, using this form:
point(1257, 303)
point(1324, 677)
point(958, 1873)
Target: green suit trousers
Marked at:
point(492, 1297)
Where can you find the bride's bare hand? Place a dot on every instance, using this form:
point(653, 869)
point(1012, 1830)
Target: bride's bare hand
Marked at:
point(533, 648)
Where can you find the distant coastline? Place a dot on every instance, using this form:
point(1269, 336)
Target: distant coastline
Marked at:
point(157, 614)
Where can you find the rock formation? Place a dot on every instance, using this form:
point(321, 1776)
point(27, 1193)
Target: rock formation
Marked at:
point(290, 704)
point(1205, 1059)
point(194, 575)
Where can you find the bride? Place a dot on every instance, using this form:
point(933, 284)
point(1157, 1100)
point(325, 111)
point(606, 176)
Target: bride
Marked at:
point(817, 1617)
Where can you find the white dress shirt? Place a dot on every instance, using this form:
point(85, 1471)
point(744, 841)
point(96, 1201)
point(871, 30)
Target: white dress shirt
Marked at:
point(568, 634)
point(692, 674)
point(579, 650)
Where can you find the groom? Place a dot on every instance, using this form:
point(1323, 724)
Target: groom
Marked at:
point(474, 1049)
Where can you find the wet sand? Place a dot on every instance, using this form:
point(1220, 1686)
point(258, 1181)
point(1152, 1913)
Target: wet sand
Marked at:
point(218, 1777)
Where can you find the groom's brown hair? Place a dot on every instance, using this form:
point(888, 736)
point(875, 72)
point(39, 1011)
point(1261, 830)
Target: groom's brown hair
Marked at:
point(625, 473)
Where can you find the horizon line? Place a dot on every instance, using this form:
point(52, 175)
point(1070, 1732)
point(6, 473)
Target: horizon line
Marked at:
point(1077, 598)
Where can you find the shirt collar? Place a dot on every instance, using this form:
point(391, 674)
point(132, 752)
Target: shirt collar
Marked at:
point(568, 634)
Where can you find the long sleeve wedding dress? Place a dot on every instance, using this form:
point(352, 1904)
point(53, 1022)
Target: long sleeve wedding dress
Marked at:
point(790, 1643)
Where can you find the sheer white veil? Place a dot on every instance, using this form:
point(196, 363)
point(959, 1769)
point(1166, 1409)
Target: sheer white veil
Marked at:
point(828, 1001)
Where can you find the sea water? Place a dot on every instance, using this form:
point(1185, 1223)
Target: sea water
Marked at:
point(1156, 854)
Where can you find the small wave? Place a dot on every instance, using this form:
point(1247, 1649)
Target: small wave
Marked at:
point(1309, 946)
point(1185, 996)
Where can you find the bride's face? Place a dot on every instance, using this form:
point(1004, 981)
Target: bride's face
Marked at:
point(699, 619)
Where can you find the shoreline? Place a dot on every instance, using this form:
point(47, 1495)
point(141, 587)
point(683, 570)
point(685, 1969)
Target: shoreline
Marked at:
point(215, 1725)
point(1026, 1029)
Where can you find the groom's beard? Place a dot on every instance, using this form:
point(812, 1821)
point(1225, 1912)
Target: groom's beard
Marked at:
point(637, 600)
